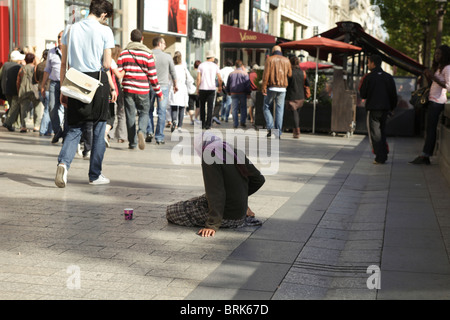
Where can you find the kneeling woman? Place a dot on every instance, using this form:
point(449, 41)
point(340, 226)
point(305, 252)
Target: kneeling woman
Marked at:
point(229, 178)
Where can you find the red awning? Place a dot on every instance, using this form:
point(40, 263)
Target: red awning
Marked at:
point(357, 36)
point(235, 37)
point(4, 33)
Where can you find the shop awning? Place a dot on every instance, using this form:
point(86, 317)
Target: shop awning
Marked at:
point(353, 32)
point(233, 37)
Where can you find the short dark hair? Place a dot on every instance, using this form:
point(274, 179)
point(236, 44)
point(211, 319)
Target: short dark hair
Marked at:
point(228, 63)
point(157, 40)
point(197, 63)
point(29, 58)
point(98, 7)
point(238, 63)
point(376, 59)
point(136, 35)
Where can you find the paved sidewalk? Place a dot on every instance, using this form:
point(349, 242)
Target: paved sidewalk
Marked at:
point(328, 214)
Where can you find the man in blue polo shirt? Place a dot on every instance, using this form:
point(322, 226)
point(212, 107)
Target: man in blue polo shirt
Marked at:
point(88, 51)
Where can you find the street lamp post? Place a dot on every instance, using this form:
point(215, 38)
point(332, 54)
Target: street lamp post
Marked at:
point(440, 12)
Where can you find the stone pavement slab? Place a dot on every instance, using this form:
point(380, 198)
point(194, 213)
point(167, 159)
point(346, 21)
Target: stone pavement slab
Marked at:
point(328, 214)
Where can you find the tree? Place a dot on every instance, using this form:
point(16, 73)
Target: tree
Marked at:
point(412, 27)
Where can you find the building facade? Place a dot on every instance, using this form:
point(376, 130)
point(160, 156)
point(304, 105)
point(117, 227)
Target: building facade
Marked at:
point(233, 29)
point(35, 25)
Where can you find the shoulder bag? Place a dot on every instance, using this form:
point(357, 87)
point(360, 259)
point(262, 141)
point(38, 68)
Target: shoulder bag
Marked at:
point(190, 83)
point(78, 85)
point(419, 98)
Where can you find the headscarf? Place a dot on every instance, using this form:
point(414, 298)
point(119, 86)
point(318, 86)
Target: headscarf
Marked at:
point(207, 143)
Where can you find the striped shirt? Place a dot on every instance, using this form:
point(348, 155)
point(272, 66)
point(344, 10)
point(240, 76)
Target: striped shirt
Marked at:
point(138, 76)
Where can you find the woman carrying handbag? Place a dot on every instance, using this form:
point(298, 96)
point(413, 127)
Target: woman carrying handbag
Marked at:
point(180, 99)
point(440, 77)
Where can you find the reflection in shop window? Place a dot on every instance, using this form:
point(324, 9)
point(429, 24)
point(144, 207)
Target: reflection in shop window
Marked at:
point(78, 10)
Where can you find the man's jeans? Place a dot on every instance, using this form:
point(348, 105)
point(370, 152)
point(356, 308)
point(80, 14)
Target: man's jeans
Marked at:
point(226, 107)
point(46, 127)
point(72, 140)
point(139, 103)
point(161, 111)
point(56, 110)
point(269, 99)
point(239, 103)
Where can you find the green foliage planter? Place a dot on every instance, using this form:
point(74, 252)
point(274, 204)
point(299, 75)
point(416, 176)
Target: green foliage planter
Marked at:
point(323, 118)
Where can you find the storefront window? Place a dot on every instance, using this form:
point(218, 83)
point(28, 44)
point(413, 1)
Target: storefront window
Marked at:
point(78, 10)
point(199, 30)
point(261, 16)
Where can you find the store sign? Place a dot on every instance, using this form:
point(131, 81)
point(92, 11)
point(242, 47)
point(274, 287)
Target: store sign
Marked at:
point(199, 34)
point(247, 37)
point(200, 25)
point(166, 16)
point(230, 34)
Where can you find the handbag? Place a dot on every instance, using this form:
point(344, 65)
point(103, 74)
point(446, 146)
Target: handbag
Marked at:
point(191, 88)
point(419, 98)
point(307, 89)
point(78, 85)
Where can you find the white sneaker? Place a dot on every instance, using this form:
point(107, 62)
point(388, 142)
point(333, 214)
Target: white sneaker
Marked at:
point(101, 180)
point(79, 151)
point(61, 176)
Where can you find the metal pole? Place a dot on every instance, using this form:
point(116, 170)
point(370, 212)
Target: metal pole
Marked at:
point(315, 91)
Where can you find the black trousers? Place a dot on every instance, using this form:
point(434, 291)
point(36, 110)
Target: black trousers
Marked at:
point(434, 112)
point(376, 126)
point(207, 99)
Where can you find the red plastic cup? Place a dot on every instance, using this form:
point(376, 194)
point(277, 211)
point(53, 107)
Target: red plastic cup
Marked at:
point(128, 213)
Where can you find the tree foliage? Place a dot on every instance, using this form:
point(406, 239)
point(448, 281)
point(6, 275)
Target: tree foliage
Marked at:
point(412, 26)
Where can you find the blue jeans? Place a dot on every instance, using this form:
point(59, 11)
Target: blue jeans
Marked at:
point(139, 103)
point(269, 99)
point(72, 140)
point(56, 110)
point(226, 106)
point(161, 111)
point(46, 127)
point(239, 103)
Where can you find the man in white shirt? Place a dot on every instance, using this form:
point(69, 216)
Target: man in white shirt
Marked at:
point(206, 84)
point(226, 102)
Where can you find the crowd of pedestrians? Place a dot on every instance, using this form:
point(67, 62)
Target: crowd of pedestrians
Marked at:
point(136, 79)
point(140, 79)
